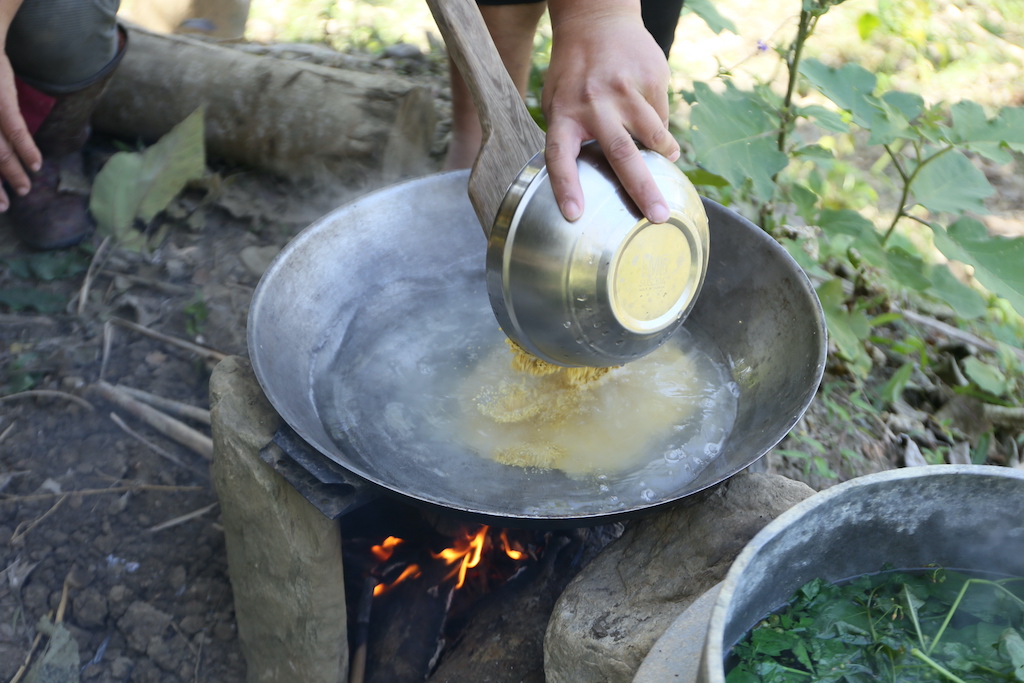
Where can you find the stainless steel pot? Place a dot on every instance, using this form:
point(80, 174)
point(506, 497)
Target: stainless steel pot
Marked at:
point(605, 289)
point(349, 325)
point(968, 517)
point(599, 291)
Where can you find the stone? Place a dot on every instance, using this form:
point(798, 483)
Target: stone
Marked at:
point(676, 655)
point(606, 621)
point(90, 608)
point(284, 557)
point(141, 623)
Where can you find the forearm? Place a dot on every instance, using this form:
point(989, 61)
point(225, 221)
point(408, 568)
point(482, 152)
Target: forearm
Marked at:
point(579, 13)
point(8, 8)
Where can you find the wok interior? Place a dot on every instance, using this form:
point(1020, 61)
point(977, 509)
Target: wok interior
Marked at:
point(361, 271)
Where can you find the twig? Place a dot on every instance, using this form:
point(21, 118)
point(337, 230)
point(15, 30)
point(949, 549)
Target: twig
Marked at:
point(199, 658)
point(51, 393)
point(9, 319)
point(94, 265)
point(152, 446)
point(165, 424)
point(953, 332)
point(358, 669)
point(93, 492)
point(10, 428)
point(182, 519)
point(169, 405)
point(18, 535)
point(108, 339)
point(1003, 416)
point(205, 352)
point(63, 599)
point(166, 287)
point(28, 658)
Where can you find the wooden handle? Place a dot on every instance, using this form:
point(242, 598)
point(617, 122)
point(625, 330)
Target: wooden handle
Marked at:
point(510, 136)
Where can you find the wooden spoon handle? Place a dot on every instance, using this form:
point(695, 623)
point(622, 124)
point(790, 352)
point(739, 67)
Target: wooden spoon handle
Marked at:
point(510, 136)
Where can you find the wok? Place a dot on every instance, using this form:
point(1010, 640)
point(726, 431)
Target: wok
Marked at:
point(359, 328)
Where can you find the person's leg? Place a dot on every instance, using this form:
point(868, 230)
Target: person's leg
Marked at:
point(63, 53)
point(512, 27)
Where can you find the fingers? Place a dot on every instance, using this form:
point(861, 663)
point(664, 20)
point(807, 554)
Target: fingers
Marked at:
point(561, 148)
point(17, 149)
point(4, 201)
point(618, 137)
point(13, 151)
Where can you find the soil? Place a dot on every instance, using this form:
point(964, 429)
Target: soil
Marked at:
point(81, 499)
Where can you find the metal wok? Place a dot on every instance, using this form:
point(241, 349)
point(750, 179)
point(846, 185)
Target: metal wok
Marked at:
point(359, 328)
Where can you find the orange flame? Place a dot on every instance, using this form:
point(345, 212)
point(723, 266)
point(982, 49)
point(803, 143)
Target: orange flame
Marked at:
point(469, 550)
point(513, 553)
point(384, 551)
point(412, 571)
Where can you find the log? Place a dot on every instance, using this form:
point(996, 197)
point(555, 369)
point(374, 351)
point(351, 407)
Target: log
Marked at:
point(300, 120)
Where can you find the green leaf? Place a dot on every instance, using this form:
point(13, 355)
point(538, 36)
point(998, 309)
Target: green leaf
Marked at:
point(907, 269)
point(990, 137)
point(867, 23)
point(950, 182)
point(734, 138)
point(25, 298)
point(805, 199)
point(987, 377)
point(848, 86)
point(115, 197)
point(965, 301)
point(139, 185)
point(886, 122)
point(709, 13)
point(844, 221)
point(814, 152)
point(909, 104)
point(996, 260)
point(803, 259)
point(826, 118)
point(847, 329)
point(47, 265)
point(170, 164)
point(700, 177)
point(892, 391)
point(1012, 644)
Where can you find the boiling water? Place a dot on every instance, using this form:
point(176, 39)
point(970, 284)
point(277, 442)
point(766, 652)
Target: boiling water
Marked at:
point(408, 372)
point(605, 427)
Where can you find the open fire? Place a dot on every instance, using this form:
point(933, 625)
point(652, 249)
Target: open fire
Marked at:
point(467, 552)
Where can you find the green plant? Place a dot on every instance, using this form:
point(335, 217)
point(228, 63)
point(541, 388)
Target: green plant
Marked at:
point(196, 313)
point(779, 157)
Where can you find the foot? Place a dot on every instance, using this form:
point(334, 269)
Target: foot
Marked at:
point(51, 215)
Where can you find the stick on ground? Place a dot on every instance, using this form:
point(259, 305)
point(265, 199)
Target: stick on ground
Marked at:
point(176, 408)
point(205, 352)
point(163, 423)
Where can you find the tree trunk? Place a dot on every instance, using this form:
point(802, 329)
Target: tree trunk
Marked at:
point(300, 120)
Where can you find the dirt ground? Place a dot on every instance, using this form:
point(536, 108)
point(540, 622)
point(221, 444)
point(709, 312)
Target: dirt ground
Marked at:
point(82, 500)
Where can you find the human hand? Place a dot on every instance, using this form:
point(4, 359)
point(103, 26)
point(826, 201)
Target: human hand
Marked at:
point(17, 149)
point(608, 80)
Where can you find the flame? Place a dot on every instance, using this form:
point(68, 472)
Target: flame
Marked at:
point(469, 550)
point(384, 551)
point(513, 553)
point(412, 571)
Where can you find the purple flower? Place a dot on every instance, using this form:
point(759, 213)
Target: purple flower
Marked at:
point(762, 46)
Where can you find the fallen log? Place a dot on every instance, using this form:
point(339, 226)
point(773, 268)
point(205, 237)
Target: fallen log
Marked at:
point(297, 119)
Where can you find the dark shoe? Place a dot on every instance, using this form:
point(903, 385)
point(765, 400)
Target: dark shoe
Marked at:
point(54, 215)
